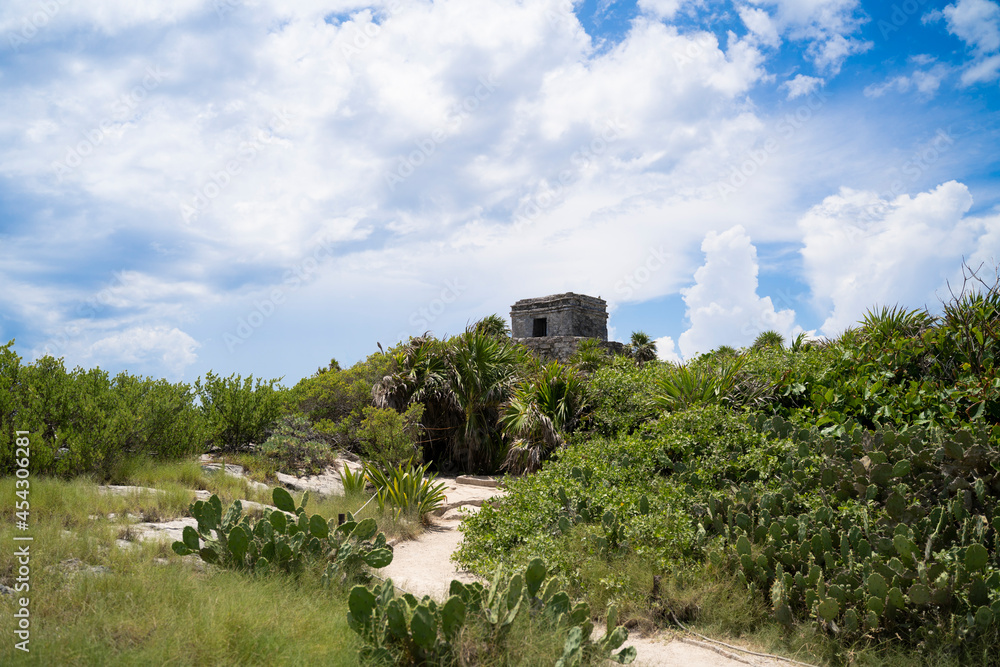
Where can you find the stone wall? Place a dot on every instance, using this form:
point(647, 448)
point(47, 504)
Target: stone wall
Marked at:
point(561, 348)
point(566, 315)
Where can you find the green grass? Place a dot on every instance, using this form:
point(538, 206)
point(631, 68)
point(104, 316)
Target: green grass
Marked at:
point(156, 608)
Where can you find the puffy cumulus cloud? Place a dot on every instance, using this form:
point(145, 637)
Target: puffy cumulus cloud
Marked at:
point(802, 85)
point(826, 26)
point(723, 306)
point(666, 350)
point(860, 250)
point(760, 25)
point(161, 349)
point(661, 9)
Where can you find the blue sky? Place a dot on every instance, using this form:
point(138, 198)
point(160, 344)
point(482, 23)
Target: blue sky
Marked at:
point(246, 187)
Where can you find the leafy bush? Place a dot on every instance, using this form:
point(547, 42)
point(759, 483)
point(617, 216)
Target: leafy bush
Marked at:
point(86, 422)
point(239, 411)
point(620, 395)
point(388, 438)
point(296, 448)
point(334, 399)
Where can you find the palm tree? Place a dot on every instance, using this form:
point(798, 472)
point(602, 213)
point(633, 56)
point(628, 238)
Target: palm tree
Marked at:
point(770, 338)
point(462, 383)
point(642, 348)
point(538, 413)
point(491, 325)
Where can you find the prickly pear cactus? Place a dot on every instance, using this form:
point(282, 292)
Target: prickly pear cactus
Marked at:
point(283, 539)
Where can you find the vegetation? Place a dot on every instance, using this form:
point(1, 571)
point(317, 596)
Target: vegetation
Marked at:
point(405, 631)
point(835, 499)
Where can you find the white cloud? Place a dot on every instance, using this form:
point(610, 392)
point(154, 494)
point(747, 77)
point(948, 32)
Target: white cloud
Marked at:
point(925, 82)
point(666, 350)
point(976, 22)
point(860, 250)
point(802, 85)
point(723, 306)
point(826, 26)
point(281, 128)
point(661, 9)
point(982, 71)
point(759, 23)
point(155, 350)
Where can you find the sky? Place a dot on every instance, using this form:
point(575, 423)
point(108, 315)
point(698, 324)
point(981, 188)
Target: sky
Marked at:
point(256, 187)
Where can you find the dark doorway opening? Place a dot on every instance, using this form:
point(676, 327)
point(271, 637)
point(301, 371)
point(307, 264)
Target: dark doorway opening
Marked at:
point(540, 328)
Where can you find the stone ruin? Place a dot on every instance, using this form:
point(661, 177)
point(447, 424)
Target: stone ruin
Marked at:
point(553, 326)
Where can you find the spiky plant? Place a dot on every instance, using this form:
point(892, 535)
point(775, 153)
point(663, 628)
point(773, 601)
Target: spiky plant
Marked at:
point(589, 356)
point(491, 325)
point(642, 348)
point(770, 338)
point(884, 324)
point(538, 412)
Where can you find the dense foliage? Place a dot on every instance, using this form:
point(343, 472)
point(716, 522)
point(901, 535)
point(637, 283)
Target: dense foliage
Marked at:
point(87, 421)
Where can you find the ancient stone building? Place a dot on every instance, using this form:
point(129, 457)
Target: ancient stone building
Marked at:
point(552, 326)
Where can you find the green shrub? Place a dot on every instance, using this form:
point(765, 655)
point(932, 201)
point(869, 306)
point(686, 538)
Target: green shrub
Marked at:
point(83, 422)
point(620, 395)
point(296, 448)
point(388, 438)
point(333, 399)
point(239, 412)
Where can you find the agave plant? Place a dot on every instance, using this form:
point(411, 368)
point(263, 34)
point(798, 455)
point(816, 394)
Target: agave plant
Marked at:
point(685, 386)
point(408, 488)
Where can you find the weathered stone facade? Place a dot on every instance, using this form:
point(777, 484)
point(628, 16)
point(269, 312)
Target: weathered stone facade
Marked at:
point(566, 314)
point(561, 348)
point(553, 326)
